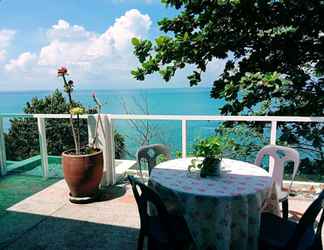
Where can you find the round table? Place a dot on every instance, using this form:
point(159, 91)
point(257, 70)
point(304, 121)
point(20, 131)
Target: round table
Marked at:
point(221, 212)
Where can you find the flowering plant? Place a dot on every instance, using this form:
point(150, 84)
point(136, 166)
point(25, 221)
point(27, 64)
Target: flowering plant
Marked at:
point(76, 110)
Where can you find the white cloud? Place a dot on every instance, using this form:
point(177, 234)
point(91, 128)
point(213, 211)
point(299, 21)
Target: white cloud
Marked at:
point(3, 55)
point(88, 55)
point(24, 62)
point(95, 60)
point(117, 37)
point(6, 36)
point(65, 32)
point(74, 45)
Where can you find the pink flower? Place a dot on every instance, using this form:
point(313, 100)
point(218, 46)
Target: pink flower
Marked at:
point(62, 71)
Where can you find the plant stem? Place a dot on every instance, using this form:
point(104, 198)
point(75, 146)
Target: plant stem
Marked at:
point(68, 91)
point(97, 124)
point(96, 133)
point(74, 135)
point(78, 134)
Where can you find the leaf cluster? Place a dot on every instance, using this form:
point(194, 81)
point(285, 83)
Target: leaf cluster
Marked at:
point(22, 139)
point(274, 54)
point(212, 147)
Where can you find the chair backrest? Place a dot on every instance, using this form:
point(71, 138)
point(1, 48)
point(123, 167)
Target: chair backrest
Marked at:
point(280, 155)
point(318, 244)
point(150, 154)
point(306, 223)
point(146, 196)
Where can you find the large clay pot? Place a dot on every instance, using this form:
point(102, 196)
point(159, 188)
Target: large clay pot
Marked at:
point(83, 174)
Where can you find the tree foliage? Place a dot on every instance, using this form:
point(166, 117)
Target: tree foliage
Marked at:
point(22, 140)
point(274, 52)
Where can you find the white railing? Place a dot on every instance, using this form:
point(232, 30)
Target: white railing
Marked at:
point(108, 127)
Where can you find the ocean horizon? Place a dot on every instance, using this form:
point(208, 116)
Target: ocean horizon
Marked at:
point(164, 101)
point(14, 101)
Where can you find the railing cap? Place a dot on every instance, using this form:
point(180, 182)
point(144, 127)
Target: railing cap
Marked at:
point(177, 117)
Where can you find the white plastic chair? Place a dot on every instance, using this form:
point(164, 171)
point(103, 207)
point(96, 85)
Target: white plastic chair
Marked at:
point(280, 156)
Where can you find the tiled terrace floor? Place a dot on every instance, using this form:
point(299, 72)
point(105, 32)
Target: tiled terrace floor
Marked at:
point(47, 220)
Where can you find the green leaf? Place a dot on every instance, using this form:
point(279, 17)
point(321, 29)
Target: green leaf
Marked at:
point(160, 41)
point(273, 52)
point(136, 41)
point(186, 36)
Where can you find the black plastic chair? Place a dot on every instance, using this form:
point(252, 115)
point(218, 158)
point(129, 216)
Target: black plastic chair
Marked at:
point(163, 231)
point(279, 234)
point(150, 154)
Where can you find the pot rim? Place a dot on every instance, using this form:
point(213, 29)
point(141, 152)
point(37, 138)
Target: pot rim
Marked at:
point(219, 159)
point(65, 154)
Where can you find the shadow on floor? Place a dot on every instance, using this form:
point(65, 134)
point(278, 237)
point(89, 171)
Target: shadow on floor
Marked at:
point(29, 231)
point(111, 192)
point(16, 187)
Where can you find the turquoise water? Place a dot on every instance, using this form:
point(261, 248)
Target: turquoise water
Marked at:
point(191, 101)
point(161, 101)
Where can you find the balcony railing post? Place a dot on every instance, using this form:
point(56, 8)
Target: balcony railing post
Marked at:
point(273, 137)
point(43, 145)
point(184, 138)
point(104, 141)
point(108, 151)
point(273, 133)
point(3, 165)
point(91, 128)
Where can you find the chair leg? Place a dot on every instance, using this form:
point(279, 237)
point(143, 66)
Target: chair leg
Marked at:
point(140, 241)
point(284, 205)
point(155, 245)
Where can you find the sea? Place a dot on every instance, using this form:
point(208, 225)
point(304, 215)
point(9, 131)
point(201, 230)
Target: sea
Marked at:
point(165, 101)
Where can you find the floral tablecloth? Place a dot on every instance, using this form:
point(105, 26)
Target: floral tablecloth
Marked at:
point(221, 212)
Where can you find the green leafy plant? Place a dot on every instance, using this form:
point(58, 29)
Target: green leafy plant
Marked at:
point(161, 158)
point(211, 148)
point(22, 137)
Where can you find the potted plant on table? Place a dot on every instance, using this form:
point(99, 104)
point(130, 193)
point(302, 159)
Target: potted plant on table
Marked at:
point(212, 151)
point(82, 165)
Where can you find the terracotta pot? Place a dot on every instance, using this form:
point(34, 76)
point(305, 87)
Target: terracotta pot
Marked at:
point(83, 173)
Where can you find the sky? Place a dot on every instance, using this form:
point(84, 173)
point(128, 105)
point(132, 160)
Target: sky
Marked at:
point(90, 38)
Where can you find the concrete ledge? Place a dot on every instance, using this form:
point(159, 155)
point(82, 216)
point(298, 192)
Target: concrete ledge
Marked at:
point(305, 186)
point(122, 168)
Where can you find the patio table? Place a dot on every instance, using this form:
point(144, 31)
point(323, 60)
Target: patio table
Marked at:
point(221, 212)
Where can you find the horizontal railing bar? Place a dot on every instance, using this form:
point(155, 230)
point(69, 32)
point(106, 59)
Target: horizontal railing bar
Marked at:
point(219, 118)
point(8, 115)
point(48, 116)
point(179, 117)
point(59, 116)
